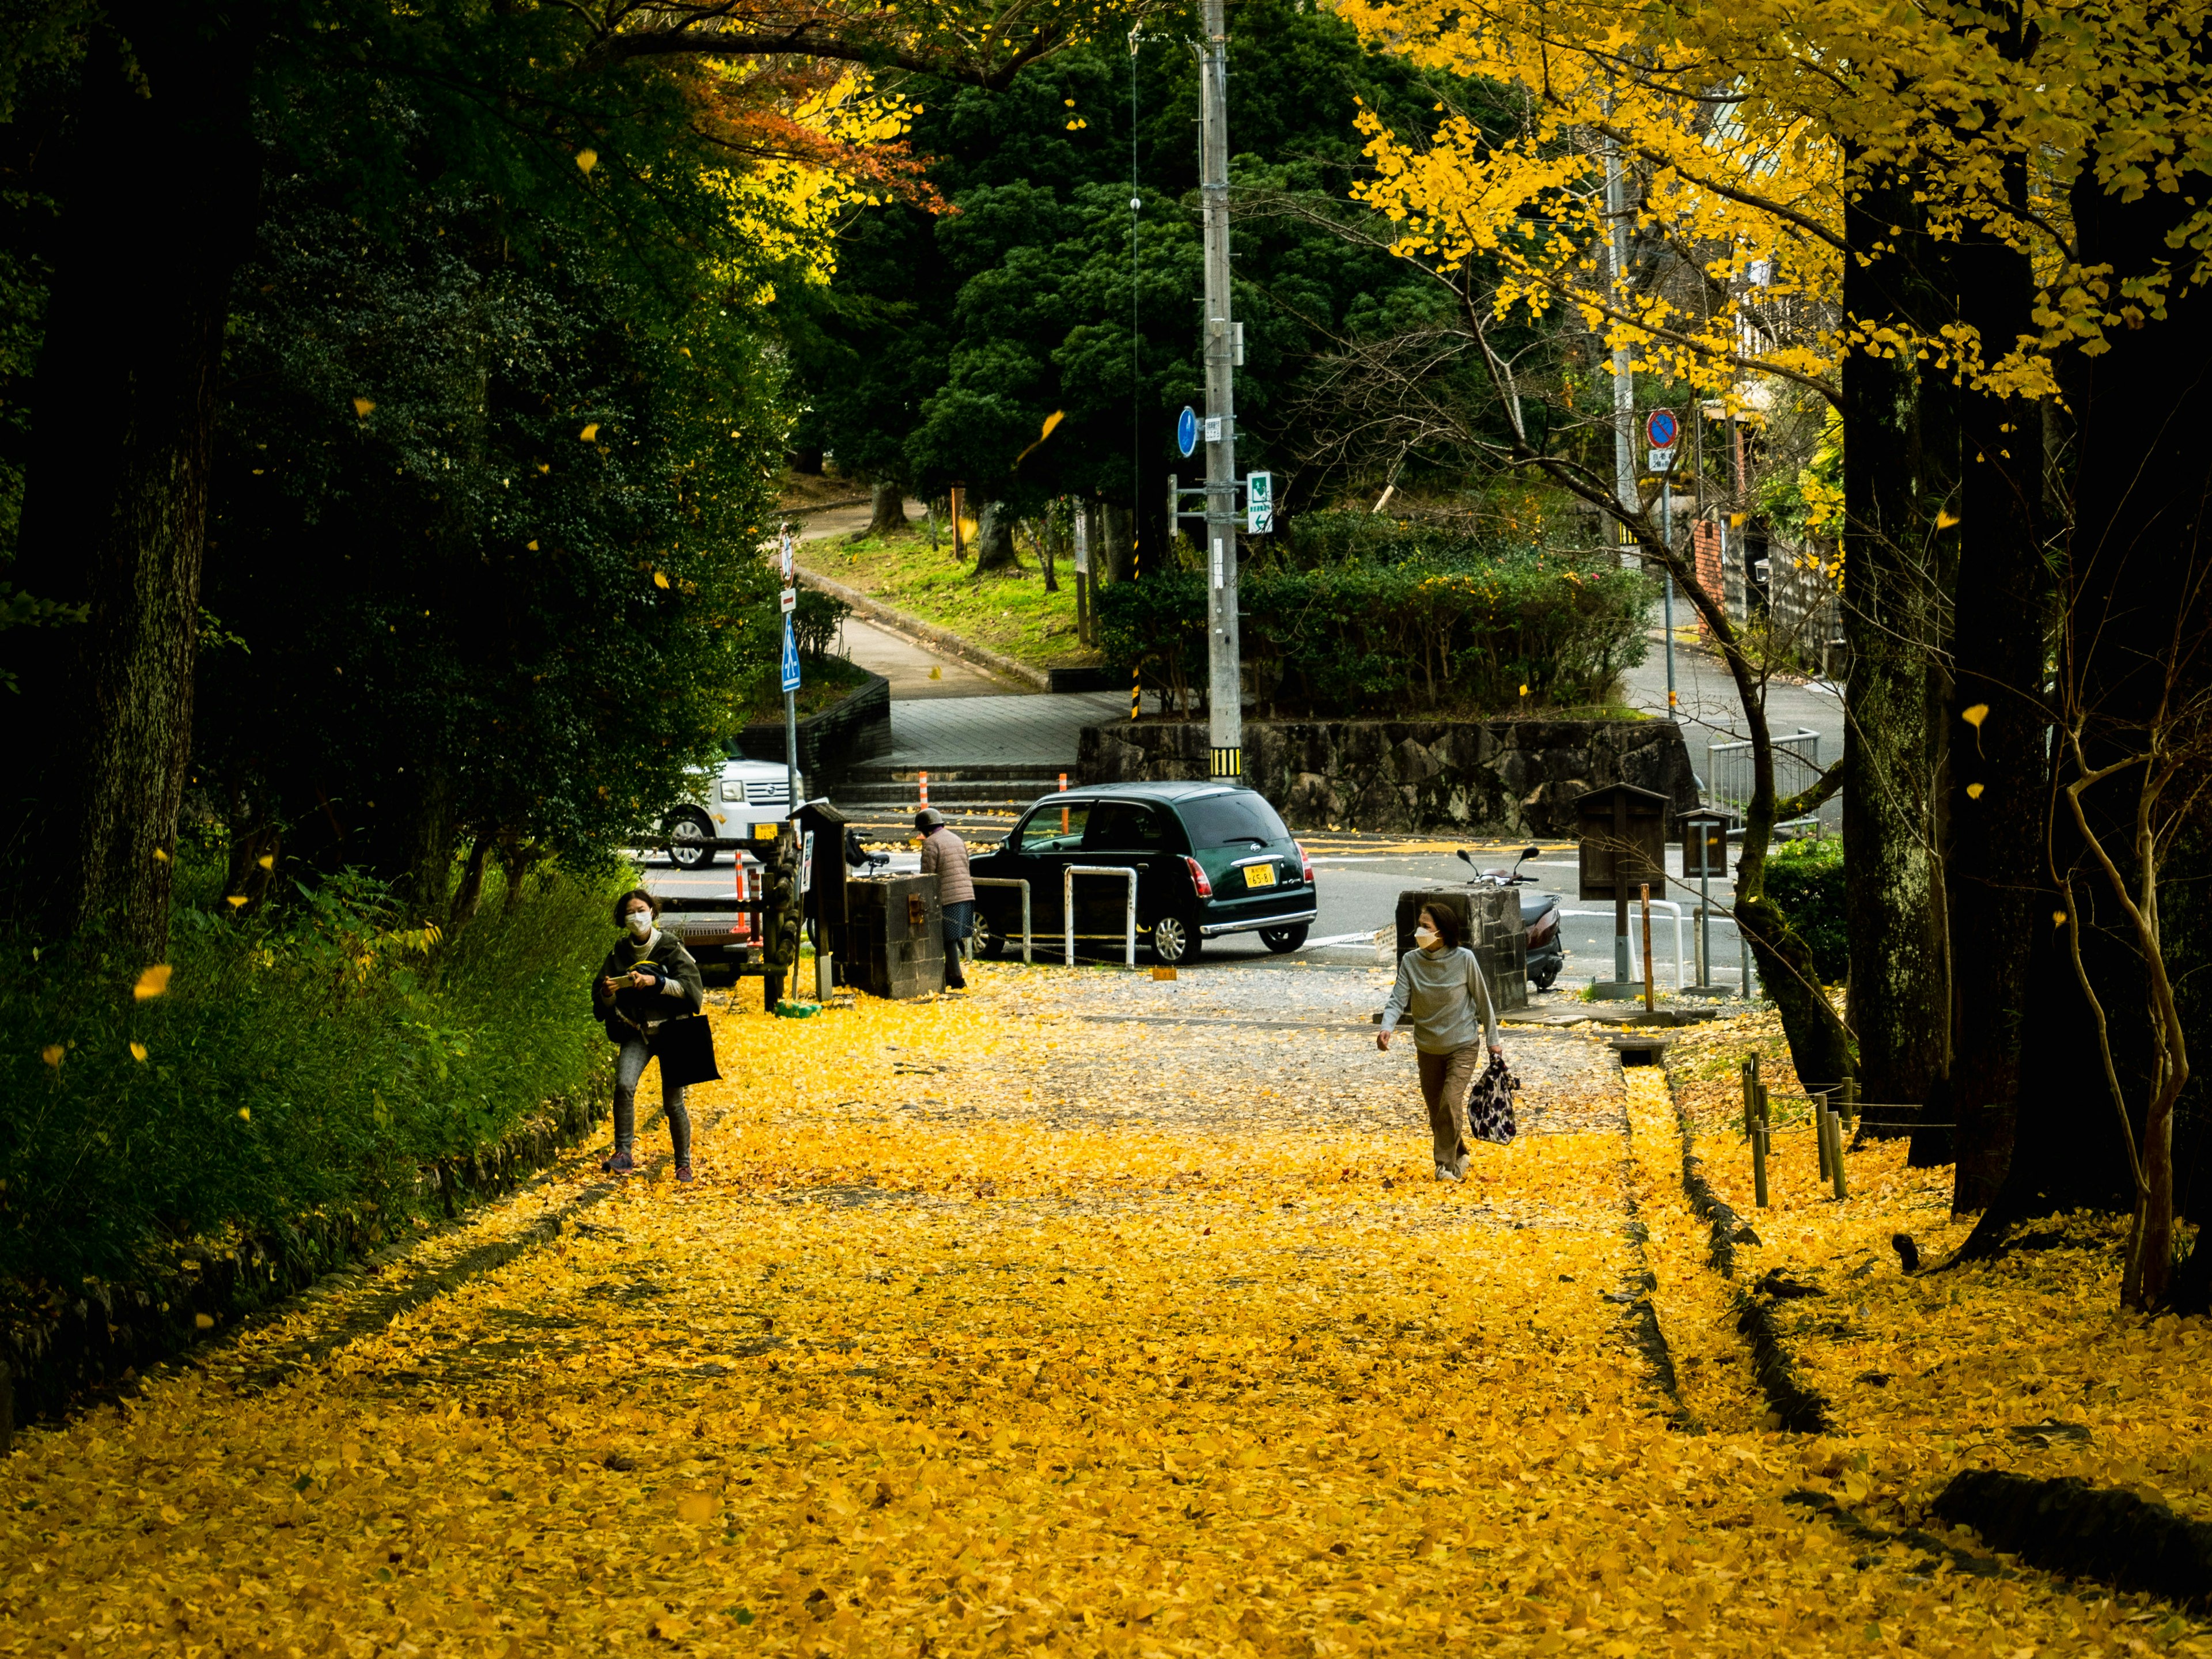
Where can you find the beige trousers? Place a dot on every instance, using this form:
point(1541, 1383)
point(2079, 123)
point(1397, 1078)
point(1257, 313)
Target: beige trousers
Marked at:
point(1446, 1080)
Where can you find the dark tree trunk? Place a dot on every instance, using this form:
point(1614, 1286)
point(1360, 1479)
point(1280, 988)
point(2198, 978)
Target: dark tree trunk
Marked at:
point(2143, 480)
point(468, 898)
point(887, 508)
point(156, 215)
point(1048, 545)
point(1121, 543)
point(1999, 776)
point(1900, 465)
point(994, 539)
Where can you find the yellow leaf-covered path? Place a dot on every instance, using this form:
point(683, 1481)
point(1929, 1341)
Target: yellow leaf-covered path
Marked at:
point(1038, 1323)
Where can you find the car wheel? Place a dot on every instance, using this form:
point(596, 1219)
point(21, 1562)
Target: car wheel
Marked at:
point(686, 833)
point(1174, 940)
point(1284, 939)
point(988, 945)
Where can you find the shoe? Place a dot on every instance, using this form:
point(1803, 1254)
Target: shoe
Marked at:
point(1445, 1172)
point(617, 1163)
point(684, 1172)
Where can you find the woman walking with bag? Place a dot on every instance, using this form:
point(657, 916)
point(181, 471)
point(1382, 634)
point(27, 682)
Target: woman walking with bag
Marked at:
point(1440, 984)
point(648, 979)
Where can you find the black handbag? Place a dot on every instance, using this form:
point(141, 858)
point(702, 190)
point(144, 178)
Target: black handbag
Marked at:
point(685, 1048)
point(1489, 1104)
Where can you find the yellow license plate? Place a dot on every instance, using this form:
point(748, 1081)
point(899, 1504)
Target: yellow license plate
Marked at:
point(1259, 875)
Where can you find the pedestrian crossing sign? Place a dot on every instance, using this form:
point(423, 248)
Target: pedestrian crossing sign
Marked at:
point(790, 659)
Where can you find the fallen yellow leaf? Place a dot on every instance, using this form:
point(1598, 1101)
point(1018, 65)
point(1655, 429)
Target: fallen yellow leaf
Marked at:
point(152, 982)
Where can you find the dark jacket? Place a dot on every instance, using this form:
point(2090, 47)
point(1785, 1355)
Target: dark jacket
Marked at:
point(635, 1010)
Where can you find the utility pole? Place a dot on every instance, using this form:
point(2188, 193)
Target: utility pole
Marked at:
point(1225, 679)
point(1624, 378)
point(1624, 441)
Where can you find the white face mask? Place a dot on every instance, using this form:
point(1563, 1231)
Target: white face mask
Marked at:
point(639, 922)
point(1425, 938)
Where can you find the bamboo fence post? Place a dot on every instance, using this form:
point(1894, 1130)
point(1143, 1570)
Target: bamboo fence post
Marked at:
point(1755, 1118)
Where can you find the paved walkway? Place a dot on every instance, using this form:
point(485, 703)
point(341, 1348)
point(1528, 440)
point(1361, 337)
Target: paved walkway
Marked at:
point(915, 671)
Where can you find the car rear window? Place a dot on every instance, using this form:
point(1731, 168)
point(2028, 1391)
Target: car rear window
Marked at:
point(1243, 819)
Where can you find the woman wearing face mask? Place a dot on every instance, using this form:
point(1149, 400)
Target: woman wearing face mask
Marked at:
point(1441, 984)
point(648, 977)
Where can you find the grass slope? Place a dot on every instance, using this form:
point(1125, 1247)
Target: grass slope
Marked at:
point(1009, 612)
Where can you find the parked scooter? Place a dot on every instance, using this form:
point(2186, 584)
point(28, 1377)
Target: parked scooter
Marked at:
point(1540, 916)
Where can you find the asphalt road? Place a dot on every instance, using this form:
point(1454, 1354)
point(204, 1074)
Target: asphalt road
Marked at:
point(1358, 880)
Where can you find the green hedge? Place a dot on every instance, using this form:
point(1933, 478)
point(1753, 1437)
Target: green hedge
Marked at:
point(1351, 615)
point(1805, 878)
point(299, 1071)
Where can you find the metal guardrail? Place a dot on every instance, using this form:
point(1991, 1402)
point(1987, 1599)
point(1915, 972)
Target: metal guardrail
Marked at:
point(1797, 768)
point(1067, 875)
point(1012, 881)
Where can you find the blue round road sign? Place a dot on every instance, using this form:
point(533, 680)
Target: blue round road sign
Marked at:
point(1186, 430)
point(1661, 427)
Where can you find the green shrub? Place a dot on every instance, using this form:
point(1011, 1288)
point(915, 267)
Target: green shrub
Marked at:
point(303, 1066)
point(1358, 616)
point(1805, 878)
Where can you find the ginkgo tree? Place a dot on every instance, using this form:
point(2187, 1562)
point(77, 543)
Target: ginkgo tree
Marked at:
point(2003, 211)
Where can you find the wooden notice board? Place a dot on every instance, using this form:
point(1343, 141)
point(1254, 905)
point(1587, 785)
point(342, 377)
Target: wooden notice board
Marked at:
point(1622, 834)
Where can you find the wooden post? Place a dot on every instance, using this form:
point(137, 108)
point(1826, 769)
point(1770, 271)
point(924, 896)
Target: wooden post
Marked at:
point(1851, 1103)
point(1644, 899)
point(1750, 1119)
point(1821, 1130)
point(1836, 1155)
point(1762, 1143)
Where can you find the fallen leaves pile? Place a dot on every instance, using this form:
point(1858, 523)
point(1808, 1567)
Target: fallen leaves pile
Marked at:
point(930, 1362)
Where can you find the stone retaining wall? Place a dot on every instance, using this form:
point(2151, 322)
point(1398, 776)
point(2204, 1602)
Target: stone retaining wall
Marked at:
point(1503, 777)
point(855, 728)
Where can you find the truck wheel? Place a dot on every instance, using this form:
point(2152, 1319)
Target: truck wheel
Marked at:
point(686, 832)
point(1174, 940)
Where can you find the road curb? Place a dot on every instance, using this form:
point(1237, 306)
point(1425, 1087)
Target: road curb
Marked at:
point(923, 633)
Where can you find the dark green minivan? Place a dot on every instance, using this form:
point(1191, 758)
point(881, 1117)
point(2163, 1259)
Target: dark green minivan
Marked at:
point(1211, 859)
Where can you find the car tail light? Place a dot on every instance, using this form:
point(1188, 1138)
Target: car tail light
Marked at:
point(1305, 861)
point(1198, 878)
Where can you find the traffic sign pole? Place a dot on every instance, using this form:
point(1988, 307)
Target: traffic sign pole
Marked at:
point(1224, 676)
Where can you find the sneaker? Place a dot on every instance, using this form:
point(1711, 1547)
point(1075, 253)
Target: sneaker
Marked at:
point(684, 1172)
point(617, 1163)
point(1445, 1172)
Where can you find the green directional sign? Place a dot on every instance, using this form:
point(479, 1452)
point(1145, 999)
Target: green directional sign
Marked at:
point(1259, 503)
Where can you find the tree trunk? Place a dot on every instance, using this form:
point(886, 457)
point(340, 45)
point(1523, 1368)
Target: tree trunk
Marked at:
point(1999, 774)
point(468, 898)
point(2136, 550)
point(1121, 543)
point(156, 215)
point(1900, 465)
point(1048, 545)
point(994, 539)
point(886, 508)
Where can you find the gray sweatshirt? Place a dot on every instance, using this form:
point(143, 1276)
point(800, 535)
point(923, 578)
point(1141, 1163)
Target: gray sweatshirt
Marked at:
point(1442, 989)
